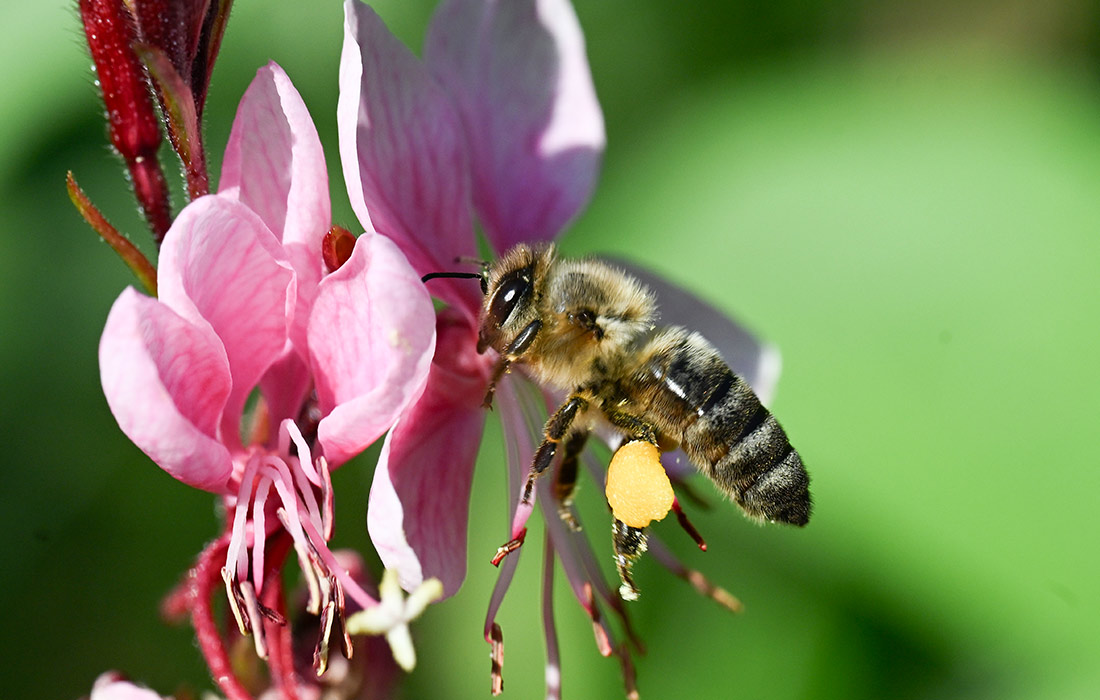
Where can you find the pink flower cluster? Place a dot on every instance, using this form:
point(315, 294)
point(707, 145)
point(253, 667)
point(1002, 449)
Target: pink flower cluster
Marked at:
point(254, 372)
point(258, 368)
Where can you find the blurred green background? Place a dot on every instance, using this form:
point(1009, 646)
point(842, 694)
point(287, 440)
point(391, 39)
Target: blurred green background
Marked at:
point(903, 197)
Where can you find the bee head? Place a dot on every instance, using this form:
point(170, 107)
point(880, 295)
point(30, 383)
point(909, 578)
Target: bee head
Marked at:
point(510, 295)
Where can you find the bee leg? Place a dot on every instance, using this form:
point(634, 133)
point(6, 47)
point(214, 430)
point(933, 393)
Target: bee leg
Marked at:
point(630, 543)
point(566, 483)
point(634, 427)
point(557, 427)
point(515, 349)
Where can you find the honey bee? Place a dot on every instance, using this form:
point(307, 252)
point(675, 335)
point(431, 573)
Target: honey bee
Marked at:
point(584, 327)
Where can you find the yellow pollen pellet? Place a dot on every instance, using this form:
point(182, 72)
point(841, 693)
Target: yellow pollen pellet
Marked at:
point(638, 489)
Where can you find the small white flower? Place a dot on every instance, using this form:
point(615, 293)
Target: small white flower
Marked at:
point(393, 614)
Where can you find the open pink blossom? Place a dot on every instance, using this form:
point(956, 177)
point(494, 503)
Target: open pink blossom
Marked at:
point(253, 374)
point(502, 117)
point(499, 121)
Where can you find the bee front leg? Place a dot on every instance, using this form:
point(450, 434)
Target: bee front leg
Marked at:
point(566, 483)
point(630, 543)
point(557, 427)
point(513, 352)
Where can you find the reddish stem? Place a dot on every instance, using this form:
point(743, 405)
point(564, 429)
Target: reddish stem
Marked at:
point(203, 579)
point(280, 642)
point(682, 518)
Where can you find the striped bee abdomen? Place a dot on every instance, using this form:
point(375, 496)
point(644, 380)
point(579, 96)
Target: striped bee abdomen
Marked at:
point(725, 430)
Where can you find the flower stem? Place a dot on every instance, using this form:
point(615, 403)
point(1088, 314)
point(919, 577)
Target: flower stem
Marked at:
point(203, 579)
point(280, 653)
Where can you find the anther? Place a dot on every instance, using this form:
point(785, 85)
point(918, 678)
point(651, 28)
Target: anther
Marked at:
point(509, 547)
point(496, 656)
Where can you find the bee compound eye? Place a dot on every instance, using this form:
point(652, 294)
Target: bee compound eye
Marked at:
point(511, 290)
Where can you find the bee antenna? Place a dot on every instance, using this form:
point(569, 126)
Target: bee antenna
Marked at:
point(460, 275)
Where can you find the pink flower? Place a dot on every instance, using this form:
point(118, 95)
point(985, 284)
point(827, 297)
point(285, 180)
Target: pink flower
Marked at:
point(500, 120)
point(501, 117)
point(245, 309)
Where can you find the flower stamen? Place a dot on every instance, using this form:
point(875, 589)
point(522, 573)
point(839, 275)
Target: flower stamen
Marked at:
point(254, 617)
point(509, 547)
point(320, 654)
point(235, 600)
point(696, 578)
point(603, 640)
point(496, 656)
point(682, 518)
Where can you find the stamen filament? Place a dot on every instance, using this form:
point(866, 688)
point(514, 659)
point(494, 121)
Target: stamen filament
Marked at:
point(259, 531)
point(553, 658)
point(235, 556)
point(682, 518)
point(327, 499)
point(305, 563)
point(302, 502)
point(349, 585)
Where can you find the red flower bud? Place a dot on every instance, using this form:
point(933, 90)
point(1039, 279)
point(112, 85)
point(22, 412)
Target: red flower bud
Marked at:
point(188, 33)
point(134, 127)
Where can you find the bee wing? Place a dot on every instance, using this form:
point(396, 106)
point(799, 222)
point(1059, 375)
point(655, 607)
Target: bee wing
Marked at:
point(755, 361)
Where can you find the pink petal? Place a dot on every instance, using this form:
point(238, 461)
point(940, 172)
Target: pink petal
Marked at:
point(514, 402)
point(274, 163)
point(402, 149)
point(286, 386)
point(166, 381)
point(419, 501)
point(519, 76)
point(371, 337)
point(221, 266)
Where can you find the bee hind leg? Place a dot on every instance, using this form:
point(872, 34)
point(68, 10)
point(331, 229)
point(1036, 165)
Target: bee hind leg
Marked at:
point(565, 485)
point(630, 543)
point(635, 428)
